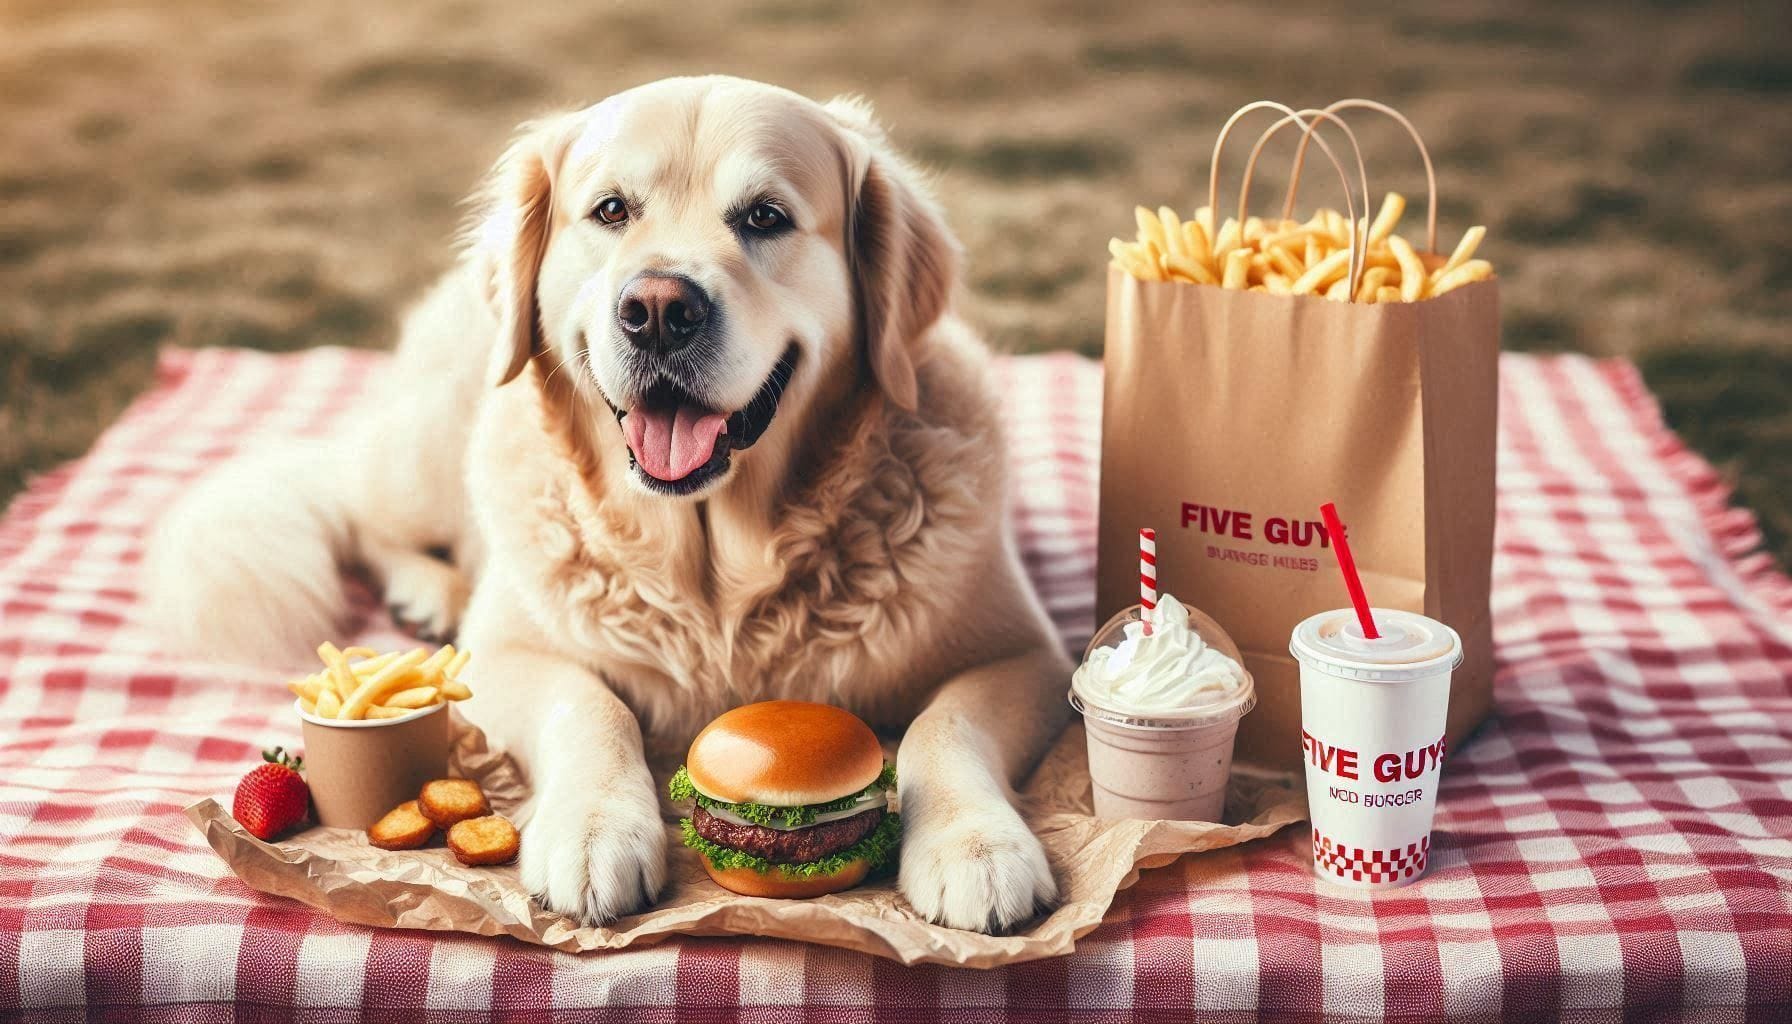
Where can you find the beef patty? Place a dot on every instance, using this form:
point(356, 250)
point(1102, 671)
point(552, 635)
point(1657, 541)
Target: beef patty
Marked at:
point(796, 846)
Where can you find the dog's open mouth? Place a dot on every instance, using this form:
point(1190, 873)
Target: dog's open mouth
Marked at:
point(678, 445)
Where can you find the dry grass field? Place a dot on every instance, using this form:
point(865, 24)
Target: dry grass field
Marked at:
point(285, 175)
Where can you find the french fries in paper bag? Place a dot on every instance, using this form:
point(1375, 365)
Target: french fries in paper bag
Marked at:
point(336, 871)
point(1257, 367)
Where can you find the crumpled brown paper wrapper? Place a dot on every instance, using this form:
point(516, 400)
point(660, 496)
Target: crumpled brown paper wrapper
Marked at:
point(336, 871)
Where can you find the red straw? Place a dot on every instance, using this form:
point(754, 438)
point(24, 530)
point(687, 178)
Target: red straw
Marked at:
point(1334, 528)
point(1147, 575)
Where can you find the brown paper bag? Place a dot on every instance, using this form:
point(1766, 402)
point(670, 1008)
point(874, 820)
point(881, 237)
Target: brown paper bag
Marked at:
point(1230, 416)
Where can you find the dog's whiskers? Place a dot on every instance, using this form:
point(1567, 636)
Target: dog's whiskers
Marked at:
point(577, 354)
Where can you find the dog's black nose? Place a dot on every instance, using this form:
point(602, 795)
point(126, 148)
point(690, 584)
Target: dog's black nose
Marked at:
point(662, 313)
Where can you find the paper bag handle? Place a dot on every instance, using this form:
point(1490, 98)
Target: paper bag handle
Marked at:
point(1219, 145)
point(1358, 261)
point(1300, 156)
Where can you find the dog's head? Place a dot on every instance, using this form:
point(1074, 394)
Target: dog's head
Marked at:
point(711, 261)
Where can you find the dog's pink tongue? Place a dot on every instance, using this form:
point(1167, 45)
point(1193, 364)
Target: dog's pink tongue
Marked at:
point(670, 443)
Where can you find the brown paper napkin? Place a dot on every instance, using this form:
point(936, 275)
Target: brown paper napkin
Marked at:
point(336, 871)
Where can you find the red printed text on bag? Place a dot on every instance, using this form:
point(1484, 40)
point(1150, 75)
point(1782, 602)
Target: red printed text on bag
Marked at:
point(1241, 525)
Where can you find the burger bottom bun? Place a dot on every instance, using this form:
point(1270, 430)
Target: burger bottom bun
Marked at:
point(776, 884)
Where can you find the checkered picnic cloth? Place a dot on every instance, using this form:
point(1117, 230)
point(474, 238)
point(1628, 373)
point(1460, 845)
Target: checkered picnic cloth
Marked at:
point(1612, 844)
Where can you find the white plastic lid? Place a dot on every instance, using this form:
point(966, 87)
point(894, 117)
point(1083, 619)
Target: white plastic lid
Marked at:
point(1410, 645)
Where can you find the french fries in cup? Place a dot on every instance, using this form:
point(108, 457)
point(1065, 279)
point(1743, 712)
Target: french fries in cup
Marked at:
point(376, 728)
point(359, 684)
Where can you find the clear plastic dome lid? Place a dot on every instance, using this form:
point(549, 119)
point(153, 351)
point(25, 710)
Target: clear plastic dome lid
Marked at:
point(1186, 672)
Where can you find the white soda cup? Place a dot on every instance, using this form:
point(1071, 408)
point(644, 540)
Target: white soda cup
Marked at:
point(1372, 730)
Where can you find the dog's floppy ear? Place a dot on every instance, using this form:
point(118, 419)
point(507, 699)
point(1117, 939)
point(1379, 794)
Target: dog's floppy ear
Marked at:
point(511, 237)
point(904, 260)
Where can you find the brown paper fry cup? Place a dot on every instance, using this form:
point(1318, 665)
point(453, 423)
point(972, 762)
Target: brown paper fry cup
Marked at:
point(360, 769)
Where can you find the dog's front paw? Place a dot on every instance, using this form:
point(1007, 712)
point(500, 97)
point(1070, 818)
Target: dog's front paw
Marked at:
point(594, 859)
point(983, 871)
point(426, 597)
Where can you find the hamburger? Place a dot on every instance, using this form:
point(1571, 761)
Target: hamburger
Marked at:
point(791, 800)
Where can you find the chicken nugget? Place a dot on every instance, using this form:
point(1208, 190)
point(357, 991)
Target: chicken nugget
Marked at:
point(488, 840)
point(403, 828)
point(446, 801)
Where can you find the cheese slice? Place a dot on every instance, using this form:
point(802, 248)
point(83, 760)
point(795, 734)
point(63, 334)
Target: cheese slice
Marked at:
point(866, 801)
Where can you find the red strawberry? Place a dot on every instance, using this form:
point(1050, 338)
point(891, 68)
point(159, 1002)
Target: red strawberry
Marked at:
point(272, 798)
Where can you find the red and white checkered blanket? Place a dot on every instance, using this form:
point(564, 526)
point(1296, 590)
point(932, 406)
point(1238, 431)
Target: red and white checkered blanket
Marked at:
point(1615, 839)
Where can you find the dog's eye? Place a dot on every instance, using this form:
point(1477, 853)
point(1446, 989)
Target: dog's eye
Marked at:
point(766, 218)
point(611, 211)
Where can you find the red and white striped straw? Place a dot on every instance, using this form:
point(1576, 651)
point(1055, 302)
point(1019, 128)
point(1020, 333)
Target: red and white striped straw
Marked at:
point(1147, 575)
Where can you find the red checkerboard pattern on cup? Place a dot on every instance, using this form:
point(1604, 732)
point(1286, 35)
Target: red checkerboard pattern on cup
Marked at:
point(1612, 842)
point(1355, 864)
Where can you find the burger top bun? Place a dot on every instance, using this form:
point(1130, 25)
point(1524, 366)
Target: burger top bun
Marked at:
point(785, 753)
point(779, 886)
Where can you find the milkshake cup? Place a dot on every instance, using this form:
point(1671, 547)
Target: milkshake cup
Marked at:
point(1372, 731)
point(1161, 712)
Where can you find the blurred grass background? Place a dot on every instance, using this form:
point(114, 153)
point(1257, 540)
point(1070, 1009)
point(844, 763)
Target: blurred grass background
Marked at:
point(285, 175)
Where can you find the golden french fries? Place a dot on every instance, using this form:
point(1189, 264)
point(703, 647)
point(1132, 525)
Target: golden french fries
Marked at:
point(1412, 269)
point(1238, 269)
point(305, 689)
point(1288, 257)
point(415, 697)
point(358, 683)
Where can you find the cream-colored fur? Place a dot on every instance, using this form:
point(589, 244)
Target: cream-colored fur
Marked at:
point(857, 554)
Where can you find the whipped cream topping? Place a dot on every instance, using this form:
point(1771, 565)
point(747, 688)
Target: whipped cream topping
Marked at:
point(1171, 670)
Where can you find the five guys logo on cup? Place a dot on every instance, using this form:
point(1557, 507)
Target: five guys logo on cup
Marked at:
point(1374, 688)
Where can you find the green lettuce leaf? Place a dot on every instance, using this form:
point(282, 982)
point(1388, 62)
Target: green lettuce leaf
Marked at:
point(681, 788)
point(875, 849)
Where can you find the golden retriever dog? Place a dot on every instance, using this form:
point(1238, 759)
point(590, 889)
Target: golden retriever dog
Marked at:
point(692, 424)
